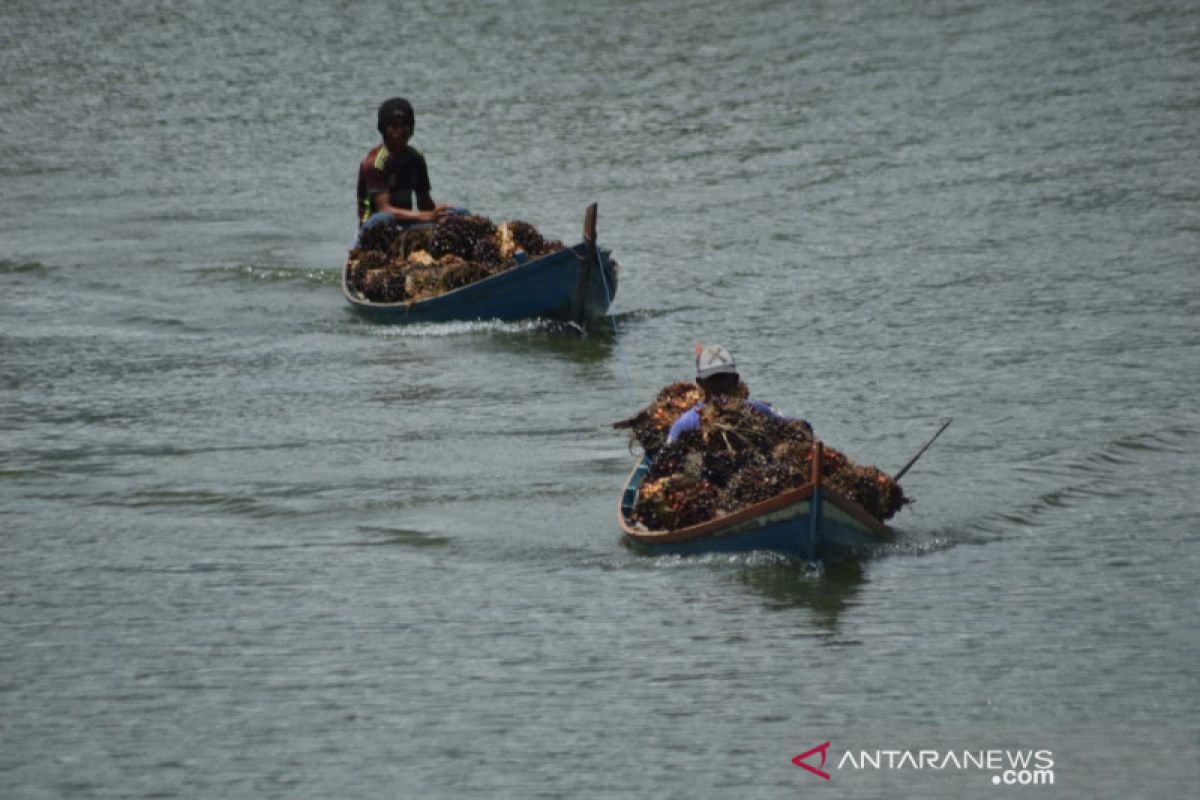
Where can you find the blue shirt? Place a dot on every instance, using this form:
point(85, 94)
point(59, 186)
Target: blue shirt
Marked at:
point(690, 421)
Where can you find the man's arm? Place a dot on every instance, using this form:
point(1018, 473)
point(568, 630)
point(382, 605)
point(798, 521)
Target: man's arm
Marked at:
point(440, 210)
point(769, 410)
point(429, 211)
point(688, 421)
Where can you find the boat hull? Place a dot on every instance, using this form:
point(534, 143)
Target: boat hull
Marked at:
point(576, 284)
point(811, 522)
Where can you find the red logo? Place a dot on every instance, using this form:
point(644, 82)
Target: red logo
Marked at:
point(799, 760)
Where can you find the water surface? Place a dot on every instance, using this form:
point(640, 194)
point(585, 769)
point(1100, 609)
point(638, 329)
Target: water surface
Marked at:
point(254, 546)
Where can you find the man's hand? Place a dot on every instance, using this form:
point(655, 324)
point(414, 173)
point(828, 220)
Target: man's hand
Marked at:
point(441, 212)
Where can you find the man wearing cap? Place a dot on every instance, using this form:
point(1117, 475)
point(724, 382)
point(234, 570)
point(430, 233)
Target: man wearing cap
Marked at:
point(717, 376)
point(393, 172)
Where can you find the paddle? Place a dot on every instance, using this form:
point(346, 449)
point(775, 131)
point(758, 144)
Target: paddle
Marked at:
point(913, 460)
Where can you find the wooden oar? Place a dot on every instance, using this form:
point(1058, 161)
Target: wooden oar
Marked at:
point(913, 460)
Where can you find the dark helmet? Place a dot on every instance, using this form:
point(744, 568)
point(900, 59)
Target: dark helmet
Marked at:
point(396, 107)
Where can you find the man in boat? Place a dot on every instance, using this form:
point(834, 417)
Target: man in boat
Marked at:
point(717, 376)
point(393, 172)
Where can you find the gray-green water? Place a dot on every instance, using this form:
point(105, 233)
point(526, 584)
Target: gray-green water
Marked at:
point(253, 546)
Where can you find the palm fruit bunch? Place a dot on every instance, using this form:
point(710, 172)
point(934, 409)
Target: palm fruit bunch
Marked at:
point(469, 237)
point(380, 238)
point(676, 502)
point(719, 466)
point(684, 456)
point(760, 480)
point(650, 426)
point(457, 272)
point(427, 261)
point(363, 261)
point(385, 285)
point(738, 457)
point(755, 455)
point(411, 241)
point(726, 423)
point(868, 486)
point(527, 238)
point(422, 281)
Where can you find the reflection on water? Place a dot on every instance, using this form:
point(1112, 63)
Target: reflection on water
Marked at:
point(825, 590)
point(564, 340)
point(401, 536)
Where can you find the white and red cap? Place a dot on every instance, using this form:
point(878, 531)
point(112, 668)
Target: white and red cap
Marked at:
point(712, 359)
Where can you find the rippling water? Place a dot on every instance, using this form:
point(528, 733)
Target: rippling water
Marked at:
point(254, 546)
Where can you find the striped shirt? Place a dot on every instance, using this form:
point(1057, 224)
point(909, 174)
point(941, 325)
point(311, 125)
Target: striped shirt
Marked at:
point(383, 171)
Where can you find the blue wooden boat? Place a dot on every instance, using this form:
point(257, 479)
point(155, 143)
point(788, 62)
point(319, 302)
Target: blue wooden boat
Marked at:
point(812, 521)
point(576, 284)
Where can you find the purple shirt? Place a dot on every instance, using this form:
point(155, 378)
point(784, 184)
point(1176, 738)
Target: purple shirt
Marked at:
point(690, 421)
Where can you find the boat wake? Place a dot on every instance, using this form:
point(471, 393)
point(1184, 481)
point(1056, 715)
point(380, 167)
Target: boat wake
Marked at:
point(259, 273)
